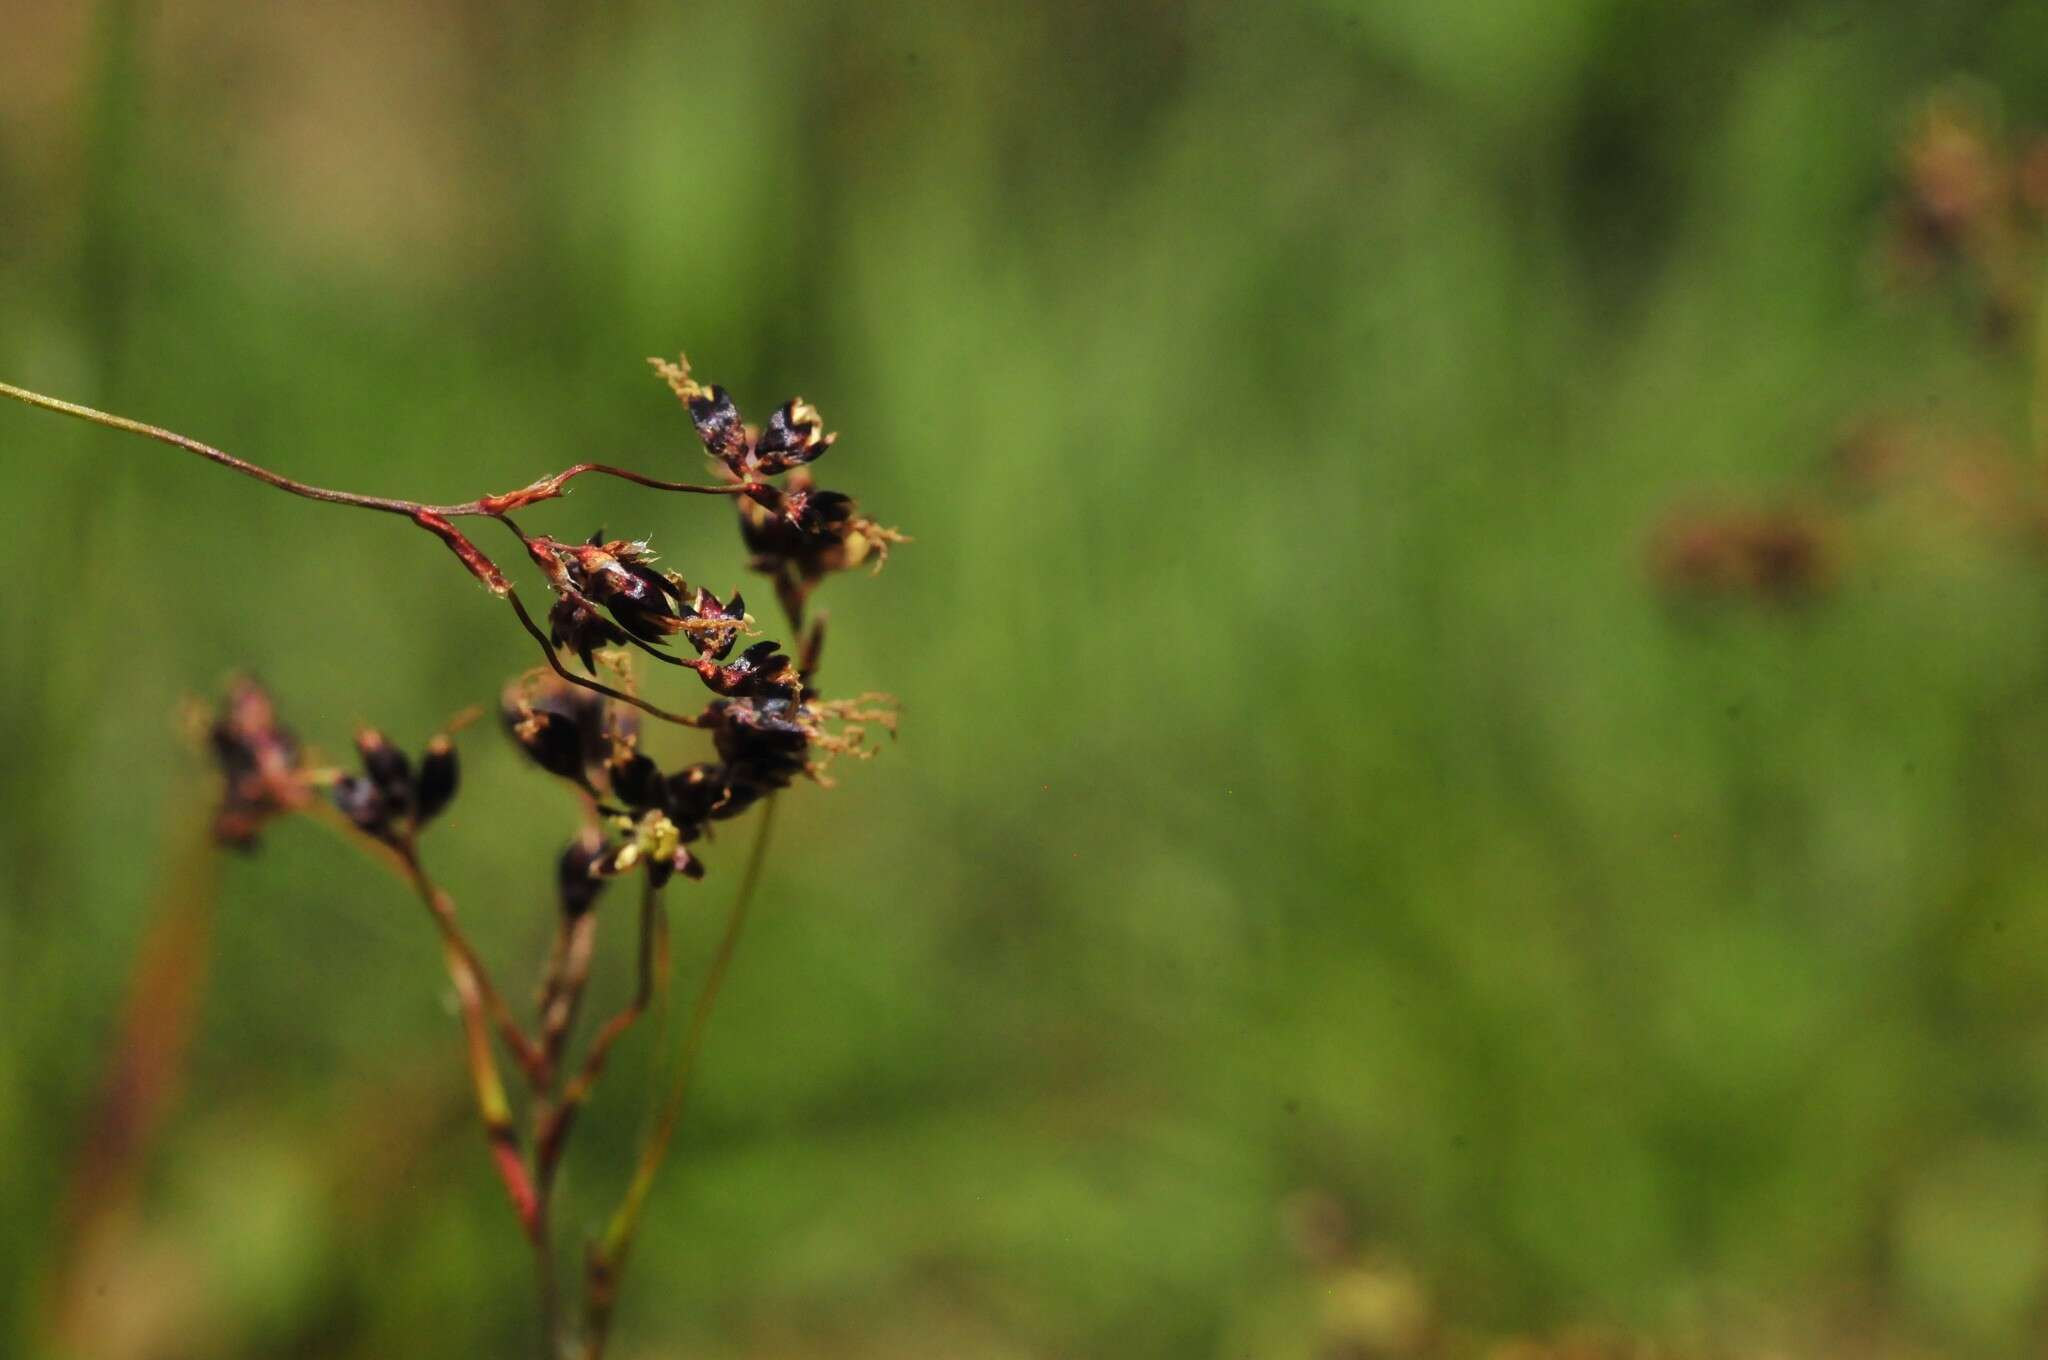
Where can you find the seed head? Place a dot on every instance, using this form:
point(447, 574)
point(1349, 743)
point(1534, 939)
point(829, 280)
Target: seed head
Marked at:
point(565, 729)
point(795, 433)
point(392, 799)
point(795, 436)
point(258, 759)
point(762, 671)
point(799, 535)
point(439, 777)
point(713, 627)
point(574, 626)
point(577, 881)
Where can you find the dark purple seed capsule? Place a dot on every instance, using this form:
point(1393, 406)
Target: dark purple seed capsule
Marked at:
point(636, 780)
point(362, 803)
point(386, 765)
point(440, 775)
point(576, 880)
point(552, 742)
point(718, 424)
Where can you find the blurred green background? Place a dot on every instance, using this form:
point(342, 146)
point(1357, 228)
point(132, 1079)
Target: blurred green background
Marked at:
point(1326, 900)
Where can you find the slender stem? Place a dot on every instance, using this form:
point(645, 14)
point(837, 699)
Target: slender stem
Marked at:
point(551, 974)
point(549, 487)
point(606, 1260)
point(560, 1016)
point(546, 488)
point(568, 972)
point(405, 864)
point(555, 663)
point(2037, 406)
point(532, 1061)
point(492, 1104)
point(553, 1129)
point(550, 1294)
point(435, 519)
point(228, 460)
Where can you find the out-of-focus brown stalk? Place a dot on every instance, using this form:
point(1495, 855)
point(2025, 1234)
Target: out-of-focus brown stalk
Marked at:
point(491, 1102)
point(144, 1065)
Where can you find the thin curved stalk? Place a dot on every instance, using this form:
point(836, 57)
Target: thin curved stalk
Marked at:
point(543, 489)
point(553, 1130)
point(606, 1260)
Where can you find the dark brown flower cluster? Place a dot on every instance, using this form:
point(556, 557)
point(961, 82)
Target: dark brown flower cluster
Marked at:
point(765, 735)
point(1779, 555)
point(639, 603)
point(258, 758)
point(797, 532)
point(393, 799)
point(264, 776)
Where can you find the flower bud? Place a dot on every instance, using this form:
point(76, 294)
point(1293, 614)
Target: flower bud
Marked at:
point(635, 779)
point(795, 436)
point(550, 741)
point(576, 874)
point(716, 642)
point(762, 671)
point(363, 803)
point(387, 767)
point(439, 776)
point(695, 792)
point(718, 424)
point(575, 627)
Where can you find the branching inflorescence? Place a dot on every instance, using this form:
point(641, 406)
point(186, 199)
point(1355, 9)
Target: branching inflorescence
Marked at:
point(767, 724)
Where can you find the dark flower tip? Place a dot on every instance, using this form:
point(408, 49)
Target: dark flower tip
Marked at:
point(795, 436)
point(713, 628)
point(798, 534)
point(575, 627)
point(578, 883)
point(258, 758)
point(394, 799)
point(440, 775)
point(565, 729)
point(619, 576)
point(795, 433)
point(762, 671)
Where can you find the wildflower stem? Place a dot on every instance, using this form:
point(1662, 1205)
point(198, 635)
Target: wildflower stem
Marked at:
point(550, 1294)
point(555, 663)
point(491, 1102)
point(435, 519)
point(544, 489)
point(532, 1061)
point(579, 944)
point(552, 1135)
point(227, 460)
point(606, 1259)
point(405, 864)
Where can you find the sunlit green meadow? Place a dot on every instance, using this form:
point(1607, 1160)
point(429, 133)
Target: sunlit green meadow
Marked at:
point(1308, 809)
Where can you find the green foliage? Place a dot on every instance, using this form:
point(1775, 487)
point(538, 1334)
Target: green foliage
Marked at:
point(1301, 784)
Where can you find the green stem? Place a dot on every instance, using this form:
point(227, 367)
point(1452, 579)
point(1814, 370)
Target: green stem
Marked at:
point(607, 1257)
